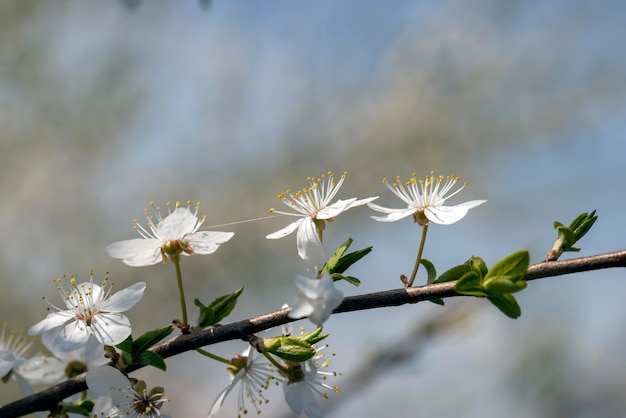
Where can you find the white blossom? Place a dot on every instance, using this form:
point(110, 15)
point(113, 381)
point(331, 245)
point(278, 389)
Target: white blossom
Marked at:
point(313, 208)
point(317, 298)
point(425, 199)
point(254, 373)
point(172, 235)
point(90, 310)
point(307, 382)
point(118, 398)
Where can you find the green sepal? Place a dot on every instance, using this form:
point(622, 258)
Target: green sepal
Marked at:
point(350, 279)
point(469, 284)
point(437, 301)
point(150, 358)
point(512, 267)
point(294, 350)
point(217, 310)
point(149, 339)
point(455, 273)
point(507, 304)
point(430, 269)
point(499, 286)
point(312, 337)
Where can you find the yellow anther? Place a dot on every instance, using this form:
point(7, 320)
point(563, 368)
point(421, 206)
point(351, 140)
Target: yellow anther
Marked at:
point(272, 210)
point(384, 180)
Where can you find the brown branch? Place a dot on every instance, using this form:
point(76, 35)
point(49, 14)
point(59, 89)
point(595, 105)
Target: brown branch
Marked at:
point(47, 399)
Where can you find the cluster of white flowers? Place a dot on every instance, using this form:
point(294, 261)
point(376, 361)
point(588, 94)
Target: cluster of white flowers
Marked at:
point(92, 321)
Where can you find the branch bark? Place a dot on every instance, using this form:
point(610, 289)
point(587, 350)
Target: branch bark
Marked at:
point(47, 399)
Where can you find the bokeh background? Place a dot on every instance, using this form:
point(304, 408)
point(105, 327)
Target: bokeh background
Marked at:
point(105, 106)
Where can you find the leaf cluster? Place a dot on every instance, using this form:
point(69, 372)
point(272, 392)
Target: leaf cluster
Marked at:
point(497, 284)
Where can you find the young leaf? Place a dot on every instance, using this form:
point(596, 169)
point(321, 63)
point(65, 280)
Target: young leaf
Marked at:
point(150, 338)
point(499, 286)
point(217, 310)
point(430, 269)
point(349, 259)
point(350, 279)
point(469, 284)
point(127, 345)
point(512, 267)
point(150, 358)
point(507, 304)
point(478, 265)
point(334, 259)
point(224, 305)
point(455, 273)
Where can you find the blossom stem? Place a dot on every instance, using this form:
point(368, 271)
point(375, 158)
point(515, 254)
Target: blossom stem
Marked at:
point(276, 364)
point(181, 292)
point(419, 256)
point(213, 356)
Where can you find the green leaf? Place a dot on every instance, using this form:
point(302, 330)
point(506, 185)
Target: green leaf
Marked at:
point(499, 286)
point(567, 236)
point(478, 265)
point(512, 267)
point(507, 304)
point(149, 339)
point(583, 224)
point(206, 316)
point(126, 345)
point(334, 259)
point(437, 301)
point(349, 259)
point(430, 269)
point(224, 305)
point(350, 279)
point(150, 358)
point(469, 284)
point(217, 310)
point(455, 273)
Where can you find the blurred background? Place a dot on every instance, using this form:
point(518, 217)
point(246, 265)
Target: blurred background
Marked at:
point(107, 106)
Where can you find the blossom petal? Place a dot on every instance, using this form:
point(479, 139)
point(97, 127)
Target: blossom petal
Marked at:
point(309, 245)
point(317, 298)
point(300, 396)
point(137, 252)
point(392, 215)
point(177, 224)
point(51, 321)
point(41, 370)
point(286, 230)
point(124, 299)
point(222, 396)
point(206, 242)
point(110, 328)
point(6, 362)
point(446, 215)
point(71, 336)
point(105, 380)
point(331, 211)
